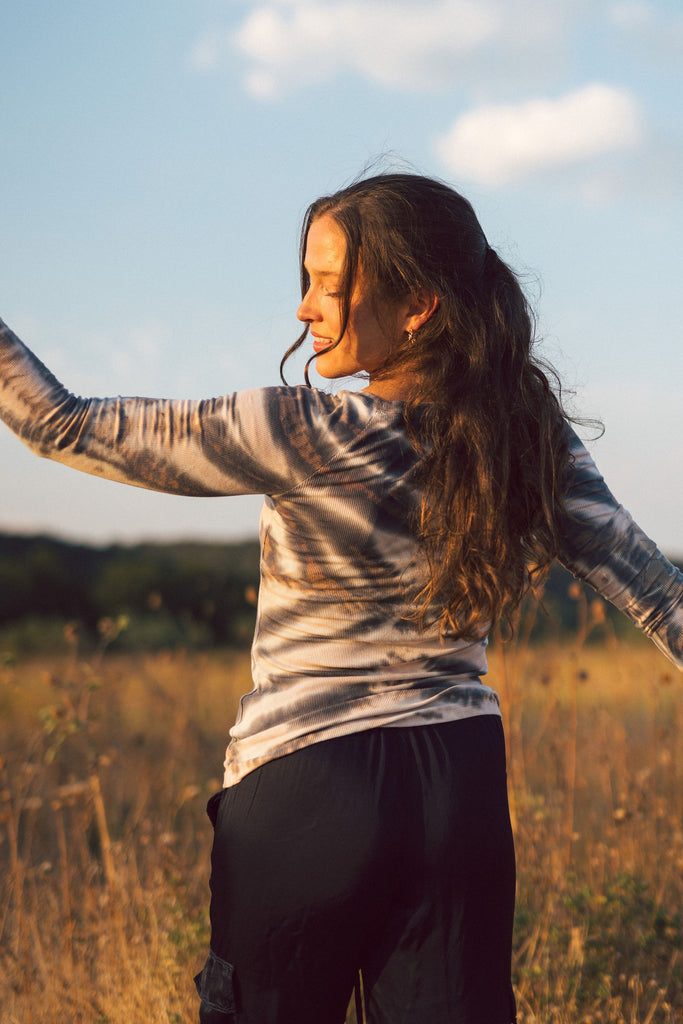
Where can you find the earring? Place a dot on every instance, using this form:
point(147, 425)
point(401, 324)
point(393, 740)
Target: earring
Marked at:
point(411, 337)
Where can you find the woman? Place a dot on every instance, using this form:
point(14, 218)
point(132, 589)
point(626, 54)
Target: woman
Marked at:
point(364, 823)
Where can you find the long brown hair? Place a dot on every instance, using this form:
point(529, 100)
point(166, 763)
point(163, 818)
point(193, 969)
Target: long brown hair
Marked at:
point(483, 413)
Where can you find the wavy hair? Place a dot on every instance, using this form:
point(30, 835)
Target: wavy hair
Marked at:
point(483, 412)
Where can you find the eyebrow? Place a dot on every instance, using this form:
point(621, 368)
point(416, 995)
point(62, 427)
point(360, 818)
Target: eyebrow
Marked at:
point(321, 273)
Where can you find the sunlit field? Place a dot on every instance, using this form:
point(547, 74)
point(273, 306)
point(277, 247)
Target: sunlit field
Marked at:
point(108, 760)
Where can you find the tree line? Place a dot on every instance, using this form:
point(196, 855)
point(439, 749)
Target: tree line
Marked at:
point(158, 595)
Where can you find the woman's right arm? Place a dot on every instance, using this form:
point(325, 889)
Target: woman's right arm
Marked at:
point(216, 446)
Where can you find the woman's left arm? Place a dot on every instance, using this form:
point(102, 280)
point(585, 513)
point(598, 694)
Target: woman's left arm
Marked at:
point(605, 547)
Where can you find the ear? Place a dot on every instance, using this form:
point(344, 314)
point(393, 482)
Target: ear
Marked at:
point(419, 308)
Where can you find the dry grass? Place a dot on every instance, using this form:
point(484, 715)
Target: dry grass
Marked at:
point(104, 846)
point(596, 772)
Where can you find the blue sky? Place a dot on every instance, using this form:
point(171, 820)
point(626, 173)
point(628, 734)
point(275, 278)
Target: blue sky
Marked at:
point(157, 160)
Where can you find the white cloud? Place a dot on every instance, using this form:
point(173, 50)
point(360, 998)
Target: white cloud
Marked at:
point(493, 145)
point(400, 44)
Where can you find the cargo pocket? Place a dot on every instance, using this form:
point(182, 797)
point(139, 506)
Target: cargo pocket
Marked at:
point(216, 991)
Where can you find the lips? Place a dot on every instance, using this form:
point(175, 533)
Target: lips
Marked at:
point(321, 344)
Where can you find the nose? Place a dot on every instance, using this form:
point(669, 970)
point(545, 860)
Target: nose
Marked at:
point(305, 312)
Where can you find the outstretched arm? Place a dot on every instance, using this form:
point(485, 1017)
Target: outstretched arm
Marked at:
point(212, 447)
point(604, 547)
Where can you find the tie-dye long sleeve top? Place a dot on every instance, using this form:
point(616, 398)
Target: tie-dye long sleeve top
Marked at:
point(335, 650)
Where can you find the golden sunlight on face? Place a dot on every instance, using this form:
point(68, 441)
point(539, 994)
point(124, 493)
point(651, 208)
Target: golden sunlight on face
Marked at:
point(366, 343)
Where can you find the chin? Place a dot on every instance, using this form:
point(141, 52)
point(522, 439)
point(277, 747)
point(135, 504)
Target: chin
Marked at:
point(331, 369)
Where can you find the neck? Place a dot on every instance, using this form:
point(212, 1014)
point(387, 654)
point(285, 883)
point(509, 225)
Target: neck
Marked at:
point(394, 389)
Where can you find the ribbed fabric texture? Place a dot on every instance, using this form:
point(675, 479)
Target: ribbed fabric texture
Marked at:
point(334, 651)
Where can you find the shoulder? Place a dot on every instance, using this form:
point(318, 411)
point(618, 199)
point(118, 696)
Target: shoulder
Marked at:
point(291, 410)
point(304, 429)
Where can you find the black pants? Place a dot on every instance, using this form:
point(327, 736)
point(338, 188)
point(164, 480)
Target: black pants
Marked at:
point(389, 851)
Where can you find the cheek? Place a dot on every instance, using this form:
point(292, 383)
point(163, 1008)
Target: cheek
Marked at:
point(370, 336)
point(362, 321)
